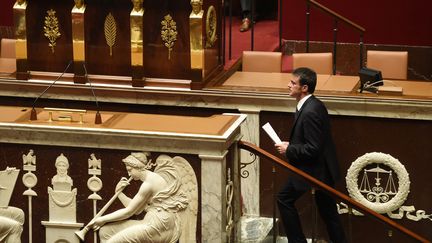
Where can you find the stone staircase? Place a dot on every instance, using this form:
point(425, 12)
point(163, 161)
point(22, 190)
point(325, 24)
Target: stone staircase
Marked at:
point(257, 229)
point(260, 230)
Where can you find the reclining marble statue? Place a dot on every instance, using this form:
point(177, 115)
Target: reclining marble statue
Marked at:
point(11, 218)
point(168, 196)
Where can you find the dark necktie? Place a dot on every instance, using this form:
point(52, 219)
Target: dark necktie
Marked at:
point(296, 114)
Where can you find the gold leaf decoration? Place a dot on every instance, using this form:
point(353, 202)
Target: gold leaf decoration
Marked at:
point(110, 29)
point(169, 33)
point(51, 28)
point(211, 26)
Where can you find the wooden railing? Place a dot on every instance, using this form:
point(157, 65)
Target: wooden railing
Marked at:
point(346, 199)
point(337, 17)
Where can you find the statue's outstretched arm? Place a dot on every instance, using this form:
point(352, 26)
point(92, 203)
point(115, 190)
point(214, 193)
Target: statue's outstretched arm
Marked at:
point(133, 206)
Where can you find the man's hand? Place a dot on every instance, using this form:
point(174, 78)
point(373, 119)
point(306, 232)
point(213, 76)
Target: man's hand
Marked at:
point(281, 147)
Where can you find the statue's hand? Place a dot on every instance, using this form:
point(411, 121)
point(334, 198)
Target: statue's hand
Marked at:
point(122, 184)
point(96, 224)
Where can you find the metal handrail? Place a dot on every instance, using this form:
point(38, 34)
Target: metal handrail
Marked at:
point(358, 206)
point(337, 17)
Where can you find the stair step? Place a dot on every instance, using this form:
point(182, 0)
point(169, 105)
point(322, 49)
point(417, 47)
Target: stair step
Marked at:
point(260, 230)
point(255, 229)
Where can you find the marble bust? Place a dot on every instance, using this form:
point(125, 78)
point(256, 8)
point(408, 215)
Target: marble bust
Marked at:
point(137, 6)
point(196, 6)
point(62, 181)
point(79, 3)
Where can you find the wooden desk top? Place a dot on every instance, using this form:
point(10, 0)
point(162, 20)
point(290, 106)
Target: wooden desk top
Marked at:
point(337, 83)
point(279, 81)
point(215, 125)
point(412, 88)
point(330, 84)
point(267, 81)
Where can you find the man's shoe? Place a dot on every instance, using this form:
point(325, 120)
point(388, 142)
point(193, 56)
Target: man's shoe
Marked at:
point(245, 26)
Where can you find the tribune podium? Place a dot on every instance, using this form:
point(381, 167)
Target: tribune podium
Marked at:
point(209, 144)
point(144, 42)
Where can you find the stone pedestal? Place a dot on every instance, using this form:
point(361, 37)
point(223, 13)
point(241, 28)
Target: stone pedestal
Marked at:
point(61, 232)
point(62, 206)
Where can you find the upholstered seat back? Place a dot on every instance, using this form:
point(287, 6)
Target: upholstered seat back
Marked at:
point(392, 64)
point(7, 48)
point(321, 63)
point(262, 61)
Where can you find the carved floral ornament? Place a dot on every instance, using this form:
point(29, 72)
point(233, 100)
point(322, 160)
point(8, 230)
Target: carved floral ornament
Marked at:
point(376, 197)
point(169, 33)
point(51, 28)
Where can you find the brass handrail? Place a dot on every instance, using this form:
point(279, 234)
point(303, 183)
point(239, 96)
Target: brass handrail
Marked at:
point(336, 15)
point(360, 207)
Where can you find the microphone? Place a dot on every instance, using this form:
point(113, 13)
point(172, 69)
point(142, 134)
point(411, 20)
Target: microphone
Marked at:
point(33, 113)
point(98, 117)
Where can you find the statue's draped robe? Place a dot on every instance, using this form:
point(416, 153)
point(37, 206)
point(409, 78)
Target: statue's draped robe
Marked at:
point(11, 224)
point(161, 223)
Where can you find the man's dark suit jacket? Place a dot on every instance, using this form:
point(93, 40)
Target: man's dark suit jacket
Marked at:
point(311, 147)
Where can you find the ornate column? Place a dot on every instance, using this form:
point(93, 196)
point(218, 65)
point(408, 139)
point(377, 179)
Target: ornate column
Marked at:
point(196, 39)
point(19, 12)
point(78, 41)
point(250, 165)
point(136, 36)
point(213, 198)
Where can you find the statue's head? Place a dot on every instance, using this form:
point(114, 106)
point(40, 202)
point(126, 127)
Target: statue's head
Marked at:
point(137, 160)
point(137, 5)
point(196, 5)
point(199, 2)
point(79, 3)
point(62, 164)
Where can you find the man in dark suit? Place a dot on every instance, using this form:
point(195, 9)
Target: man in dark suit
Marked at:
point(311, 149)
point(246, 6)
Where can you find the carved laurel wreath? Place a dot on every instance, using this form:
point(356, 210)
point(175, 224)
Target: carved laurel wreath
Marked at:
point(211, 24)
point(378, 158)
